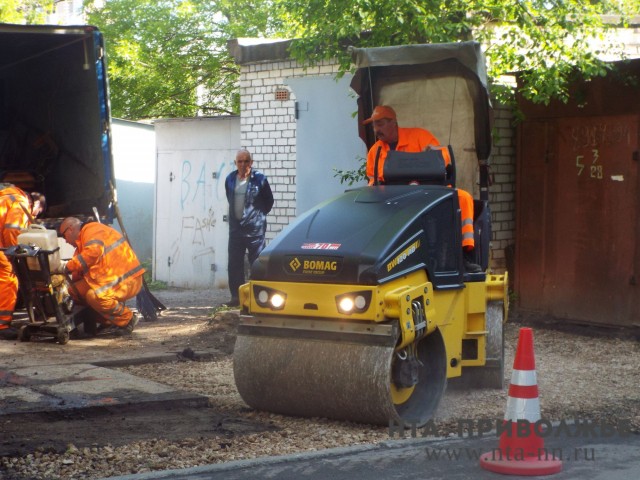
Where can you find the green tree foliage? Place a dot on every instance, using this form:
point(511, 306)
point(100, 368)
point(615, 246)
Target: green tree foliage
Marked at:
point(169, 58)
point(25, 11)
point(545, 39)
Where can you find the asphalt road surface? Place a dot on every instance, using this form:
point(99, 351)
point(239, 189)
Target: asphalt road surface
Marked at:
point(611, 458)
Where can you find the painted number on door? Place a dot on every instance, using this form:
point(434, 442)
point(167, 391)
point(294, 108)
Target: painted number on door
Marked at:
point(594, 169)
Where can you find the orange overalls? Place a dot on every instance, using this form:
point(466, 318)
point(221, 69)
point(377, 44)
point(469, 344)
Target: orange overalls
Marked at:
point(416, 140)
point(105, 273)
point(12, 220)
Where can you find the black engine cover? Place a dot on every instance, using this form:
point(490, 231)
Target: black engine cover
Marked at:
point(369, 236)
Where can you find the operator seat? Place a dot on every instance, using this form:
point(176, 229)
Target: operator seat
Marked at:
point(417, 168)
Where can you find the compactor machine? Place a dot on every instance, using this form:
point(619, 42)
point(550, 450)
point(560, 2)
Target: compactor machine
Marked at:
point(361, 309)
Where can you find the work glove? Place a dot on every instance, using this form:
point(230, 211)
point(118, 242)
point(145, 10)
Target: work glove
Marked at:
point(62, 268)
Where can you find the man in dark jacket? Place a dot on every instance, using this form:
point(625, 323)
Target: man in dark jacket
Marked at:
point(250, 200)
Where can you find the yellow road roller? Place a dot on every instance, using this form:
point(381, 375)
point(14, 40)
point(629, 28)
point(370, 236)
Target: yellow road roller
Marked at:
point(361, 308)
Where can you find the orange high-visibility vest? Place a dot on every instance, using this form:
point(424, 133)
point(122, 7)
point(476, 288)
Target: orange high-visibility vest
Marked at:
point(104, 258)
point(409, 140)
point(12, 216)
point(416, 140)
point(12, 220)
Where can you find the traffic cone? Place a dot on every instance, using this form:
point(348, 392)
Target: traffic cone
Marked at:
point(521, 450)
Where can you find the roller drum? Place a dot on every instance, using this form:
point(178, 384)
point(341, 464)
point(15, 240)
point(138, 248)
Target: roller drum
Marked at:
point(341, 380)
point(310, 378)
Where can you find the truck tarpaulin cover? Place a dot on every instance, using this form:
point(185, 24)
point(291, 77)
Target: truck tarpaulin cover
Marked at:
point(54, 116)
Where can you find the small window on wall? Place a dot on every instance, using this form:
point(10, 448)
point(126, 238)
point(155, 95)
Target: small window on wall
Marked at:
point(282, 94)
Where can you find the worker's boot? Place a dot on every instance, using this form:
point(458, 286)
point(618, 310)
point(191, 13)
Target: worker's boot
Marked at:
point(469, 262)
point(10, 333)
point(130, 327)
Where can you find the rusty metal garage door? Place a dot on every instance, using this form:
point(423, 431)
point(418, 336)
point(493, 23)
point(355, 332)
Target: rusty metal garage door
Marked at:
point(578, 235)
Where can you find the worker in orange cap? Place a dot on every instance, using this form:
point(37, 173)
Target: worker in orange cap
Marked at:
point(17, 208)
point(104, 270)
point(392, 137)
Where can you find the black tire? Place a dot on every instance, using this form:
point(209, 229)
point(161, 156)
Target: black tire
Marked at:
point(493, 372)
point(432, 382)
point(491, 375)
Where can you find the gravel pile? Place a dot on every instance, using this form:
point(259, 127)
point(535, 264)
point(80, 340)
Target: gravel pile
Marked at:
point(584, 377)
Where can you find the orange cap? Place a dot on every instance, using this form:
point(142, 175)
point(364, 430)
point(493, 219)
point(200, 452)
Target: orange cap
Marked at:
point(380, 112)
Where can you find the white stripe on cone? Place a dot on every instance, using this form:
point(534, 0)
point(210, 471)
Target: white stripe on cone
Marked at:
point(523, 408)
point(524, 378)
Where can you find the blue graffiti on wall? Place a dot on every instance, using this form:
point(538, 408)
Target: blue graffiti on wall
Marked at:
point(192, 186)
point(201, 196)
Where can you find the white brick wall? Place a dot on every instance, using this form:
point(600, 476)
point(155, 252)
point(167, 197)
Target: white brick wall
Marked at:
point(502, 191)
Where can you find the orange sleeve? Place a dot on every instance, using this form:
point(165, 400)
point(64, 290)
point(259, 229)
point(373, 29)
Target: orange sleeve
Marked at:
point(429, 140)
point(371, 160)
point(15, 221)
point(88, 253)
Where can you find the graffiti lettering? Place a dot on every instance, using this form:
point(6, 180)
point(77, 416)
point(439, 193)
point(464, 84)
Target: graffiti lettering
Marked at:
point(199, 226)
point(186, 187)
point(189, 192)
point(195, 200)
point(201, 183)
point(591, 136)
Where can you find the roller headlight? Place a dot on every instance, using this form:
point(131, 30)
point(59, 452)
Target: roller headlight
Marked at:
point(353, 302)
point(346, 305)
point(277, 301)
point(263, 297)
point(269, 298)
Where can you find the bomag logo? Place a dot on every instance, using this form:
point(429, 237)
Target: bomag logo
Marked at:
point(294, 264)
point(402, 256)
point(320, 265)
point(314, 266)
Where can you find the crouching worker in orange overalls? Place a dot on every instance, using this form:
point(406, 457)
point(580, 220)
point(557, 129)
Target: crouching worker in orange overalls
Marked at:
point(15, 208)
point(104, 270)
